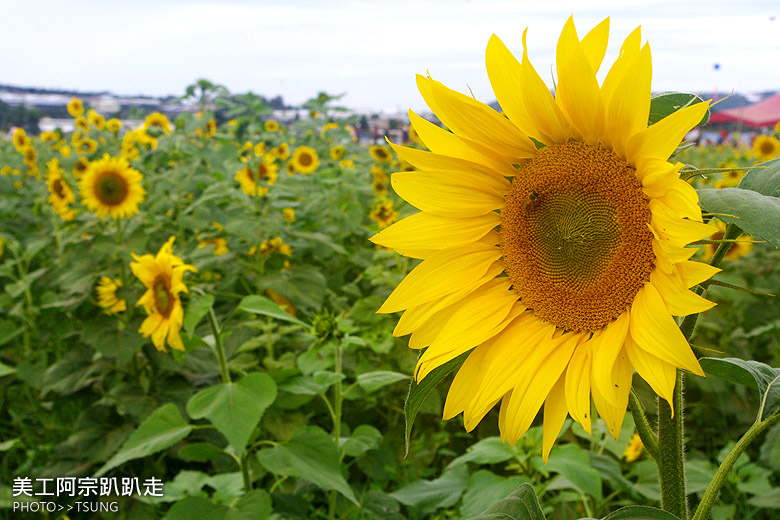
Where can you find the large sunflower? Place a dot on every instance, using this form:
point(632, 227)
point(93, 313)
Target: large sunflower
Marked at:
point(553, 239)
point(162, 275)
point(110, 187)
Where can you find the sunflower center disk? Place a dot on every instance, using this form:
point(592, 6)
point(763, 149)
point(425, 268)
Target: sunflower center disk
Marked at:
point(162, 297)
point(574, 236)
point(112, 189)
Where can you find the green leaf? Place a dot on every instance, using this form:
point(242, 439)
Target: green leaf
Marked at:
point(753, 374)
point(754, 205)
point(485, 489)
point(373, 381)
point(162, 429)
point(261, 305)
point(520, 505)
point(197, 307)
point(310, 454)
point(8, 331)
point(667, 103)
point(755, 214)
point(195, 508)
point(769, 500)
point(429, 495)
point(6, 370)
point(490, 450)
point(255, 505)
point(365, 437)
point(235, 408)
point(572, 462)
point(201, 451)
point(640, 513)
point(418, 392)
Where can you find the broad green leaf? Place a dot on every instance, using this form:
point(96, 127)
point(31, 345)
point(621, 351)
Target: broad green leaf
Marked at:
point(640, 513)
point(754, 205)
point(365, 437)
point(255, 505)
point(196, 508)
point(520, 505)
point(197, 307)
point(430, 495)
point(373, 381)
point(698, 475)
point(768, 500)
point(162, 429)
point(8, 331)
point(756, 214)
point(667, 103)
point(261, 305)
point(201, 451)
point(753, 374)
point(310, 454)
point(317, 383)
point(485, 489)
point(235, 408)
point(418, 392)
point(490, 450)
point(9, 444)
point(572, 462)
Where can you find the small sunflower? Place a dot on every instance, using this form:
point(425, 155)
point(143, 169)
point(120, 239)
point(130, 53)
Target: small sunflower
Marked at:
point(159, 120)
point(82, 124)
point(110, 187)
point(86, 146)
point(30, 155)
point(634, 449)
point(337, 152)
point(75, 107)
point(81, 167)
point(65, 151)
point(380, 188)
point(380, 153)
point(220, 245)
point(271, 126)
point(61, 194)
point(553, 238)
point(379, 174)
point(250, 180)
point(113, 125)
point(290, 168)
point(384, 214)
point(260, 149)
point(96, 119)
point(288, 214)
point(283, 151)
point(741, 246)
point(275, 245)
point(305, 159)
point(211, 127)
point(20, 140)
point(107, 298)
point(766, 147)
point(162, 276)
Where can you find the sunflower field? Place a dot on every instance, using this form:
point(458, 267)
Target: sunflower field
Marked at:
point(199, 316)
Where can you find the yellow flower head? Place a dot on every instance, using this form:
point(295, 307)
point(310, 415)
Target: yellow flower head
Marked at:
point(380, 188)
point(75, 107)
point(107, 298)
point(305, 159)
point(275, 245)
point(739, 248)
point(271, 126)
point(162, 275)
point(288, 214)
point(250, 178)
point(337, 152)
point(65, 151)
point(384, 214)
point(347, 164)
point(86, 146)
point(81, 167)
point(82, 124)
point(96, 119)
point(283, 151)
point(159, 120)
point(110, 187)
point(20, 140)
point(553, 238)
point(766, 147)
point(380, 153)
point(30, 155)
point(211, 127)
point(220, 245)
point(61, 196)
point(113, 125)
point(634, 449)
point(260, 149)
point(290, 168)
point(379, 174)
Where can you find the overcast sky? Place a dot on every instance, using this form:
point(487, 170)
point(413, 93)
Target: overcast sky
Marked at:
point(368, 50)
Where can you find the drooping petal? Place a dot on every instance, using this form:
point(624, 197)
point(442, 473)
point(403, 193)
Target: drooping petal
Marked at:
point(461, 388)
point(554, 416)
point(660, 375)
point(654, 330)
point(577, 385)
point(678, 299)
point(606, 347)
point(612, 414)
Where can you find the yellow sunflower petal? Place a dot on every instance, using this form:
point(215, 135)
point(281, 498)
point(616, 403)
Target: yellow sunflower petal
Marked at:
point(461, 388)
point(629, 107)
point(622, 65)
point(661, 139)
point(577, 385)
point(423, 160)
point(613, 415)
point(693, 273)
point(678, 299)
point(594, 44)
point(674, 230)
point(661, 376)
point(654, 330)
point(606, 347)
point(450, 194)
point(554, 416)
point(421, 234)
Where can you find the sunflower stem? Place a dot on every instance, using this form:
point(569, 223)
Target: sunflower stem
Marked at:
point(643, 428)
point(711, 494)
point(671, 453)
point(219, 348)
point(337, 399)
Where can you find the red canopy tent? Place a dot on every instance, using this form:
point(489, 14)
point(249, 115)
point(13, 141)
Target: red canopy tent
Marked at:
point(762, 114)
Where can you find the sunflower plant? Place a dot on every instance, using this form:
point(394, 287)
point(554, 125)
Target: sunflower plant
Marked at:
point(555, 245)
